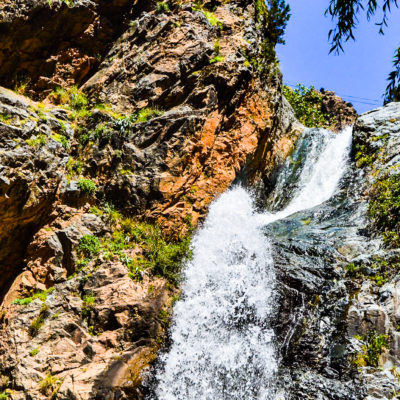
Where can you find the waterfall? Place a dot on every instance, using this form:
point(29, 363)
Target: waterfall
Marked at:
point(222, 344)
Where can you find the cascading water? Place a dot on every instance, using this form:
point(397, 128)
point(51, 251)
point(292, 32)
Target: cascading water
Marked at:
point(222, 342)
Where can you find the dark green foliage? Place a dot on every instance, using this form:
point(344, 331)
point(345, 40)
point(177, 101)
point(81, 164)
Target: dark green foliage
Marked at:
point(277, 19)
point(89, 245)
point(272, 17)
point(87, 186)
point(345, 13)
point(384, 208)
point(393, 88)
point(307, 105)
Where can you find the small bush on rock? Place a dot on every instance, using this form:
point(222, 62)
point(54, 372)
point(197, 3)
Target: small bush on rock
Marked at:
point(384, 208)
point(87, 186)
point(89, 245)
point(374, 346)
point(38, 322)
point(50, 385)
point(162, 7)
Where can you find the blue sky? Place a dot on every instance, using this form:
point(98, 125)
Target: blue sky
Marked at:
point(360, 72)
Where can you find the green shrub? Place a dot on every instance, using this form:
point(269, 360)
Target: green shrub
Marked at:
point(102, 131)
point(50, 385)
point(4, 395)
point(89, 245)
point(38, 322)
point(307, 105)
point(163, 257)
point(379, 271)
point(162, 7)
point(374, 346)
point(384, 208)
point(89, 299)
point(87, 186)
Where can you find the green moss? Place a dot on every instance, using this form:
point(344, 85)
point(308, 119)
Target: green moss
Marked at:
point(89, 299)
point(211, 17)
point(61, 139)
point(5, 395)
point(87, 186)
point(217, 59)
point(364, 156)
point(23, 302)
point(384, 208)
point(6, 119)
point(42, 295)
point(74, 167)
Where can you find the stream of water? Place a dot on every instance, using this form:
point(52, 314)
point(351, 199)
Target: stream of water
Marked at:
point(222, 344)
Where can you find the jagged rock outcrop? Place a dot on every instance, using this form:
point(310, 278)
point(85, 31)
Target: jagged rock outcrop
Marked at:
point(343, 111)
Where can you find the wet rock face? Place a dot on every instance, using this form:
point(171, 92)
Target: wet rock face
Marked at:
point(337, 322)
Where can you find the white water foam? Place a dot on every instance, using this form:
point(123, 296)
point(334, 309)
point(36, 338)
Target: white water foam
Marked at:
point(222, 343)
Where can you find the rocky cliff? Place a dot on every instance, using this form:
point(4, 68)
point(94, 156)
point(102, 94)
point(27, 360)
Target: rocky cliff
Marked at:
point(101, 185)
point(120, 122)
